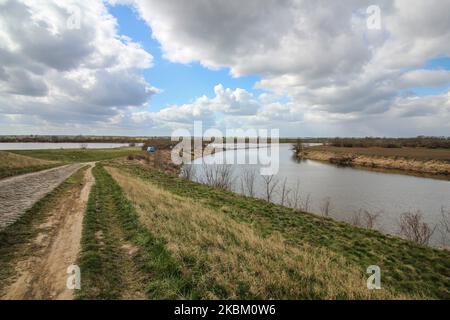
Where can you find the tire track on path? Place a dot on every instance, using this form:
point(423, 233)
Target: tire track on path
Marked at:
point(43, 275)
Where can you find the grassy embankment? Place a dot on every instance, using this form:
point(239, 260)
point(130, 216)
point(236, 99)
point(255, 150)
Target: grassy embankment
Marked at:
point(191, 241)
point(417, 161)
point(13, 164)
point(120, 259)
point(16, 240)
point(166, 246)
point(79, 155)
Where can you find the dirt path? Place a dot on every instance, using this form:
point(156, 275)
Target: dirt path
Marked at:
point(44, 274)
point(17, 194)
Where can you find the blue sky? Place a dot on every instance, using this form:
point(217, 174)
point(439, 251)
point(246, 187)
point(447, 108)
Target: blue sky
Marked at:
point(180, 83)
point(441, 63)
point(322, 72)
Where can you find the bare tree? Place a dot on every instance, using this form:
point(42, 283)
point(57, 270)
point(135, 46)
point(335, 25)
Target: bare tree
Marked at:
point(365, 218)
point(294, 197)
point(444, 227)
point(284, 192)
point(248, 180)
point(413, 228)
point(326, 207)
point(306, 203)
point(271, 183)
point(371, 218)
point(297, 146)
point(158, 160)
point(356, 219)
point(218, 176)
point(188, 171)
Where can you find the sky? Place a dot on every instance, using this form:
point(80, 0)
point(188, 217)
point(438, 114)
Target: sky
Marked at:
point(149, 67)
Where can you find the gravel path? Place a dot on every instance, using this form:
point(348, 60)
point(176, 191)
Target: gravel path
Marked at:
point(19, 193)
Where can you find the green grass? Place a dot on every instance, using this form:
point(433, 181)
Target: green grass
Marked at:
point(107, 271)
point(227, 259)
point(15, 239)
point(79, 155)
point(406, 267)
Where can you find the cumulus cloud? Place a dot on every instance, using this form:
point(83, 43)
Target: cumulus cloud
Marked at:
point(53, 72)
point(322, 70)
point(235, 103)
point(320, 54)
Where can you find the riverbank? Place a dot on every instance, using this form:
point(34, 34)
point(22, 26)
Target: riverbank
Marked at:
point(414, 161)
point(408, 268)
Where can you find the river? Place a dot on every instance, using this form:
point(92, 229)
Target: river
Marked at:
point(350, 190)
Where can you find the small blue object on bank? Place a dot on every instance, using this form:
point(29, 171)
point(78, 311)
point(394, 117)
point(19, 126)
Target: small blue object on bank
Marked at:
point(151, 149)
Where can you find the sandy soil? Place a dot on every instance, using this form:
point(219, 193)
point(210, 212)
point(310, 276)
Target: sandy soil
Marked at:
point(19, 193)
point(44, 274)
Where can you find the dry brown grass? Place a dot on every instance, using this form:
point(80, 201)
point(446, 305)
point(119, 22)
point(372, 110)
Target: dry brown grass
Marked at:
point(14, 161)
point(418, 161)
point(407, 153)
point(228, 259)
point(12, 164)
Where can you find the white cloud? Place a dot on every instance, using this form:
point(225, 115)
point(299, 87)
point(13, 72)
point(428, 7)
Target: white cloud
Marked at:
point(55, 75)
point(425, 78)
point(318, 53)
point(322, 70)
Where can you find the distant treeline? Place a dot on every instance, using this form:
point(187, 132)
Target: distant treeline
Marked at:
point(418, 142)
point(165, 142)
point(72, 139)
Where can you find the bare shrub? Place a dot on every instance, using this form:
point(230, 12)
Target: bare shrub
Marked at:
point(270, 183)
point(371, 219)
point(306, 203)
point(356, 219)
point(365, 218)
point(218, 176)
point(284, 193)
point(444, 227)
point(414, 229)
point(158, 161)
point(325, 208)
point(294, 198)
point(188, 171)
point(83, 146)
point(248, 180)
point(297, 146)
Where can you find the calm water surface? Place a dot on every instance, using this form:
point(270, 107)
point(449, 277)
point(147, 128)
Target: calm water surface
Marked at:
point(350, 190)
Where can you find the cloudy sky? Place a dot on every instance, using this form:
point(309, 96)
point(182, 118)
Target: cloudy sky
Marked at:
point(147, 67)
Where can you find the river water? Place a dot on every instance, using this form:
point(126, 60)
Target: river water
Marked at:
point(350, 190)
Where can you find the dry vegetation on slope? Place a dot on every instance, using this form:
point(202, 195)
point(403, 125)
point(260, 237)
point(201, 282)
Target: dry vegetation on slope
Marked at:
point(12, 164)
point(408, 160)
point(228, 259)
point(407, 268)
